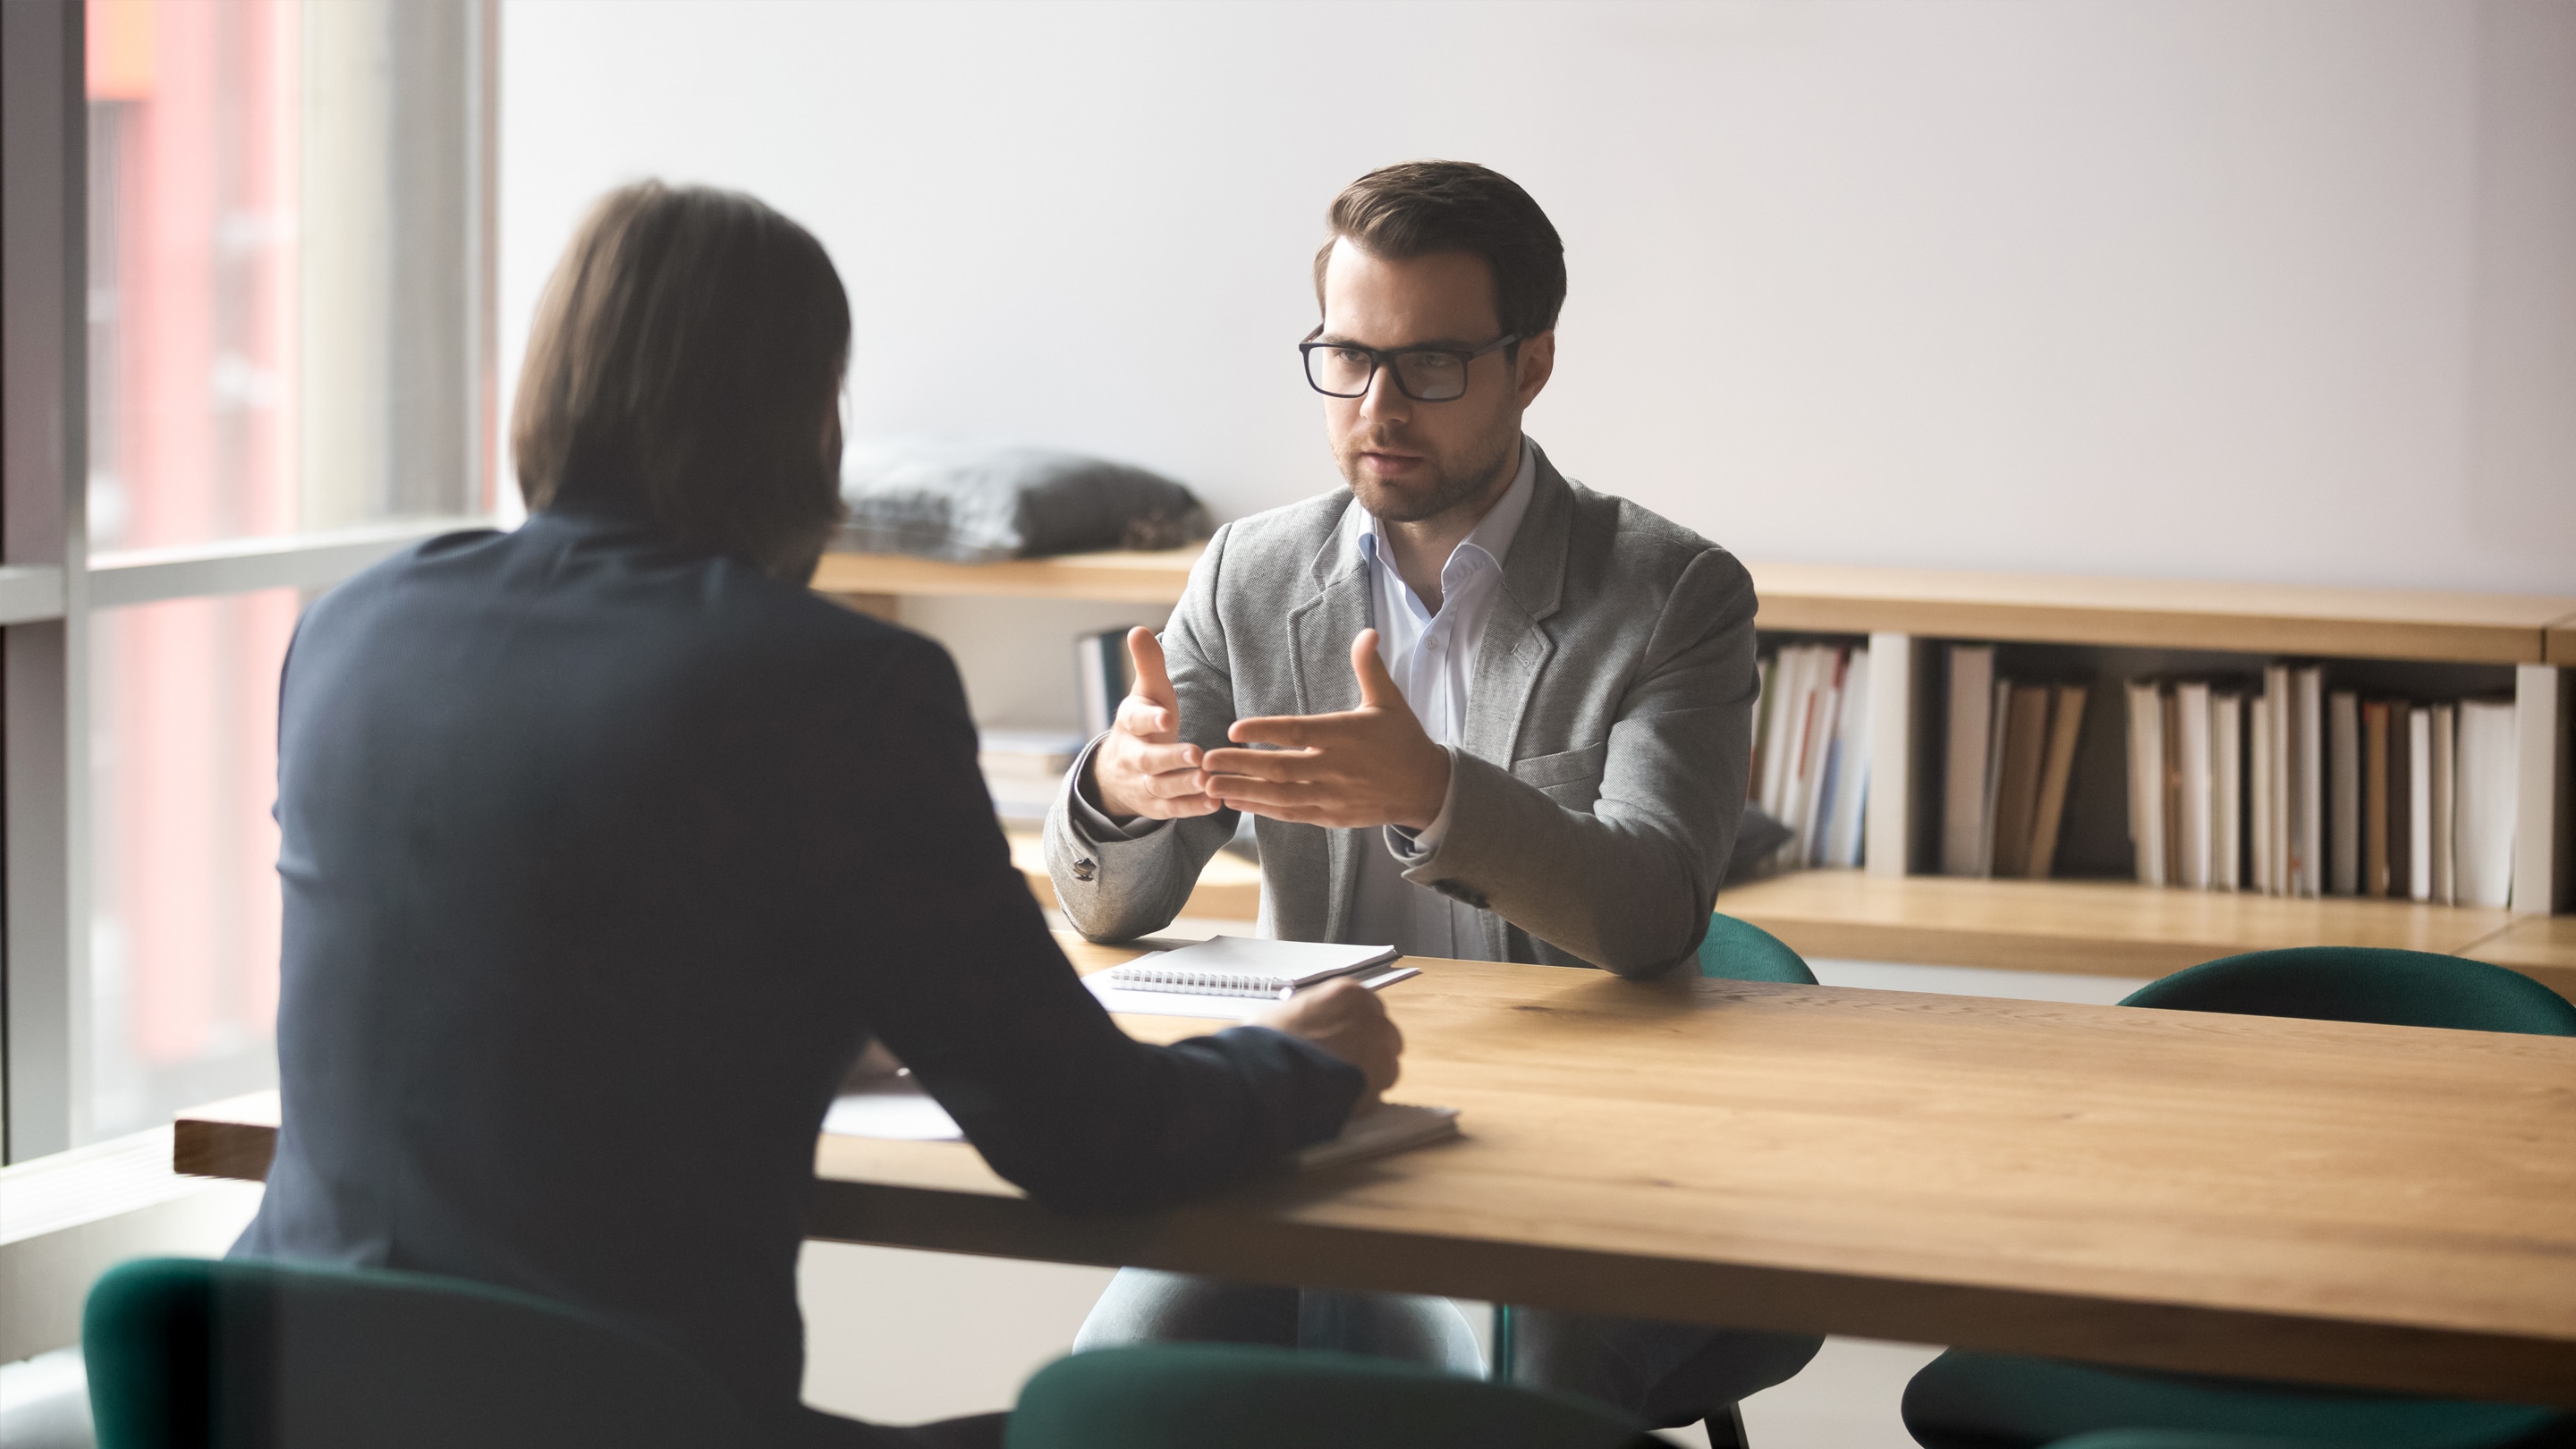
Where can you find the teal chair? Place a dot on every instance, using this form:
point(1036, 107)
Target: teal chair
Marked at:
point(187, 1353)
point(1732, 950)
point(2181, 1439)
point(1965, 1400)
point(2364, 983)
point(1736, 950)
point(1191, 1396)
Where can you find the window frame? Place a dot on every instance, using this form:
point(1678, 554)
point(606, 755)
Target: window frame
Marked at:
point(51, 584)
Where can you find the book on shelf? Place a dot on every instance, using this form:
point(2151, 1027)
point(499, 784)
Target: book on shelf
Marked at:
point(2306, 767)
point(2023, 743)
point(1967, 749)
point(2482, 804)
point(2284, 805)
point(1846, 794)
point(2057, 768)
point(1106, 672)
point(1027, 754)
point(2401, 793)
point(2226, 789)
point(2343, 800)
point(2440, 795)
point(2233, 789)
point(2195, 841)
point(1996, 727)
point(2262, 836)
point(1811, 751)
point(2419, 803)
point(2374, 797)
point(2147, 780)
point(2015, 742)
point(1023, 767)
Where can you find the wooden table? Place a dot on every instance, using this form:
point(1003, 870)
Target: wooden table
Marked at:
point(2379, 1206)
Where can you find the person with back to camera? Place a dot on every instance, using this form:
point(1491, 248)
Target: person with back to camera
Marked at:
point(608, 848)
point(1478, 710)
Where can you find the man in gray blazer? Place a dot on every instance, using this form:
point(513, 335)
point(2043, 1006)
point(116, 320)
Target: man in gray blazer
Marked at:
point(1475, 709)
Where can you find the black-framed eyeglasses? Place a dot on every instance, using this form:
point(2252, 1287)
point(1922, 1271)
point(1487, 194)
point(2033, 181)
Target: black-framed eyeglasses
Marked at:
point(1426, 374)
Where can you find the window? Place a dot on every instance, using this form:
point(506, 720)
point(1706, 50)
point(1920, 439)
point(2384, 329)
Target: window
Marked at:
point(278, 212)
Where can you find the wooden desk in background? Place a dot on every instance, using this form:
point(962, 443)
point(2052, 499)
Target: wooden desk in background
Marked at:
point(2376, 1206)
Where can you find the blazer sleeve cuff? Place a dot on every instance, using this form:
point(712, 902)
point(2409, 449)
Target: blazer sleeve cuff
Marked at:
point(1480, 800)
point(1088, 822)
point(1411, 846)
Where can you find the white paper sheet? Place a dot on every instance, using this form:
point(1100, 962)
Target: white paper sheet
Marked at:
point(895, 1107)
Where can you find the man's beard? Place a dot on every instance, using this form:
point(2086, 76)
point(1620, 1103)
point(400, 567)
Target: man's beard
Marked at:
point(1444, 486)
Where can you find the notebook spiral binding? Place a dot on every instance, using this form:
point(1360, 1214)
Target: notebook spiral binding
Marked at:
point(1198, 983)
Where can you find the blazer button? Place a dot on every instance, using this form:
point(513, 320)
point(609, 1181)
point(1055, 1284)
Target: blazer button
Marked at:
point(1083, 868)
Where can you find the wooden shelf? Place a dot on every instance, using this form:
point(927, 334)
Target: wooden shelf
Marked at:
point(1132, 578)
point(1829, 598)
point(2561, 646)
point(2541, 947)
point(1228, 890)
point(2093, 928)
point(2099, 928)
point(2160, 613)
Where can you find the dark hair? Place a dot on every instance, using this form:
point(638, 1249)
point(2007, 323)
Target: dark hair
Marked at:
point(687, 355)
point(1419, 207)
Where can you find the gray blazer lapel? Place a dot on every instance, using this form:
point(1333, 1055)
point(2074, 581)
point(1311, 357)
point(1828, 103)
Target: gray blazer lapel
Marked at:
point(1515, 649)
point(1320, 631)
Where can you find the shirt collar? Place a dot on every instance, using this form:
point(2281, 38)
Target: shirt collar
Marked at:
point(1493, 534)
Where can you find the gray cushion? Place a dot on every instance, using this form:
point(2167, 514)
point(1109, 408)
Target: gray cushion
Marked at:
point(974, 502)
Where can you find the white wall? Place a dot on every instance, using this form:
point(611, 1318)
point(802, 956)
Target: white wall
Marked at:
point(2261, 289)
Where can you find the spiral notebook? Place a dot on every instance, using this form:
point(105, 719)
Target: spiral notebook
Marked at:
point(1239, 966)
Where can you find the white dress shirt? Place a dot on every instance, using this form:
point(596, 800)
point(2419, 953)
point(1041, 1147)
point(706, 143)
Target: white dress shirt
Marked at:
point(1432, 656)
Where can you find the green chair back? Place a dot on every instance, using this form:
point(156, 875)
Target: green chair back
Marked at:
point(245, 1354)
point(2181, 1439)
point(2364, 983)
point(1189, 1396)
point(1742, 951)
point(1965, 1400)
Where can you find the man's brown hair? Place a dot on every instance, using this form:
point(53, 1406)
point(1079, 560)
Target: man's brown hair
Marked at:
point(686, 358)
point(1416, 208)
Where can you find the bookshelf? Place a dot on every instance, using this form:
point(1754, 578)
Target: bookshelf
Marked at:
point(1888, 912)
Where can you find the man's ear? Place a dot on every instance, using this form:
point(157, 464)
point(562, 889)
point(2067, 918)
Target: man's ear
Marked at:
point(1537, 365)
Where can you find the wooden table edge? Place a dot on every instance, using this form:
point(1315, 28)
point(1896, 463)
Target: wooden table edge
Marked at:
point(237, 1140)
point(1208, 1239)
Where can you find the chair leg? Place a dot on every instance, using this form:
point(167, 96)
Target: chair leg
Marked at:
point(1726, 1429)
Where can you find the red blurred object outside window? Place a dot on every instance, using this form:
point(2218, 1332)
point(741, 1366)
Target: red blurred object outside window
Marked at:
point(194, 115)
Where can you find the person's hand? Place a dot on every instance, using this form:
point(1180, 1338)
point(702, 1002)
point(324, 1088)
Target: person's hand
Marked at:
point(1141, 767)
point(1368, 766)
point(1347, 1019)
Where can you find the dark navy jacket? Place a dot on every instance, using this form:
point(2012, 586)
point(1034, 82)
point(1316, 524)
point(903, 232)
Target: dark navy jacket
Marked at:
point(603, 859)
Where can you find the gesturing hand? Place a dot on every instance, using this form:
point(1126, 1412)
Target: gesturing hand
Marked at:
point(1367, 766)
point(1141, 767)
